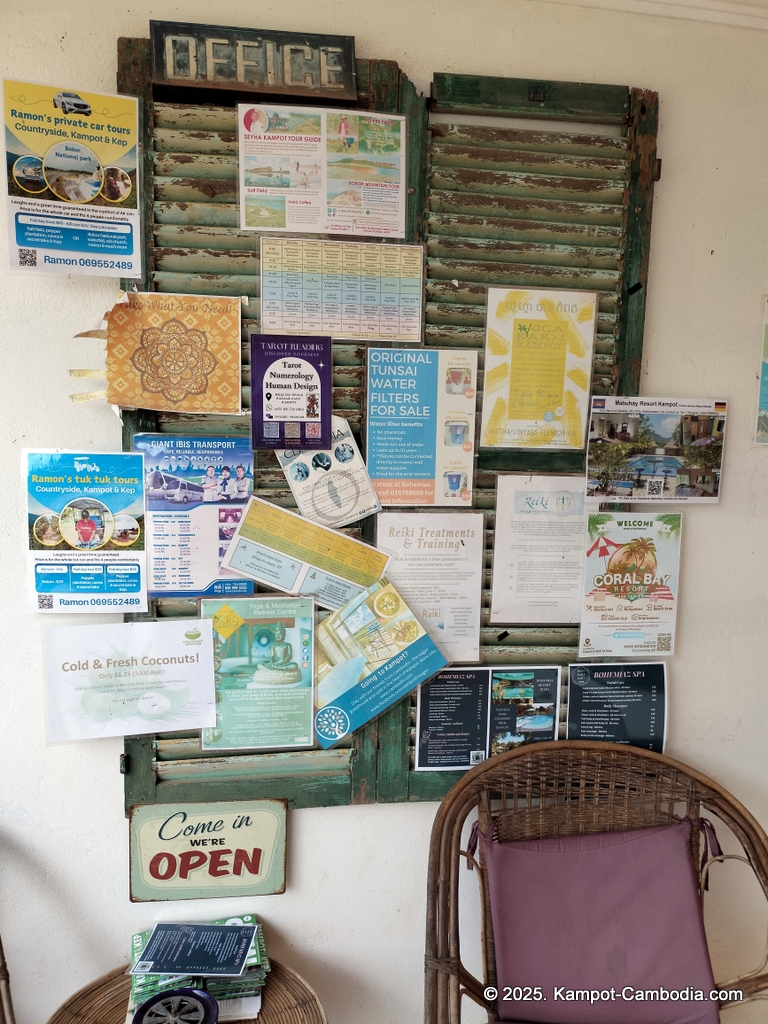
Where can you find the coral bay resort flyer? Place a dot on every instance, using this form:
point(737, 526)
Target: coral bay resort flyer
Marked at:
point(631, 585)
point(85, 531)
point(317, 170)
point(196, 490)
point(655, 449)
point(438, 570)
point(283, 550)
point(73, 191)
point(420, 427)
point(128, 679)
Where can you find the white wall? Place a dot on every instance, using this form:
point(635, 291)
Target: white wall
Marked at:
point(351, 920)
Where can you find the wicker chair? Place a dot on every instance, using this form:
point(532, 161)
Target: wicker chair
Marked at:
point(563, 788)
point(6, 1006)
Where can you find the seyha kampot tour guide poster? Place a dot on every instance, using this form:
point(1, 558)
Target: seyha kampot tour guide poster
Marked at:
point(263, 657)
point(291, 392)
point(85, 531)
point(73, 191)
point(655, 449)
point(316, 170)
point(196, 490)
point(631, 588)
point(538, 367)
point(420, 427)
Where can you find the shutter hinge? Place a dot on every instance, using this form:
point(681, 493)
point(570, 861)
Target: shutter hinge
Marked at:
point(657, 170)
point(125, 764)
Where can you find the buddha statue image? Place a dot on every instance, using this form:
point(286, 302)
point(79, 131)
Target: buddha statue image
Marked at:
point(279, 670)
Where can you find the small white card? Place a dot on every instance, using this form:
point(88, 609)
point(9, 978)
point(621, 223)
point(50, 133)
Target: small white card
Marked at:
point(129, 678)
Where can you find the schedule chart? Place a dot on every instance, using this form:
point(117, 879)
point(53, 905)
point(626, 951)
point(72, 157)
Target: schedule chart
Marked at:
point(348, 290)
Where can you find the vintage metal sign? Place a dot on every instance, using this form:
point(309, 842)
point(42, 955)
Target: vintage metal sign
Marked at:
point(253, 60)
point(200, 851)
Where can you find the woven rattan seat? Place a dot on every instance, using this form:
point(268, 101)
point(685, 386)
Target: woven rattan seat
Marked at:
point(287, 999)
point(561, 789)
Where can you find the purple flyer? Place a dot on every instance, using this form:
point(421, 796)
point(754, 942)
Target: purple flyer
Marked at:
point(291, 392)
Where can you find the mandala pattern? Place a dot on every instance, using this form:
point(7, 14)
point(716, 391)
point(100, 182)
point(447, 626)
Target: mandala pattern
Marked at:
point(174, 361)
point(175, 353)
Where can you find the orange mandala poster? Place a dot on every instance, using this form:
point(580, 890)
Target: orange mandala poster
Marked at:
point(174, 353)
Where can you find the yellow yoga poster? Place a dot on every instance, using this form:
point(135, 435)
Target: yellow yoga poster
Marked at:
point(538, 367)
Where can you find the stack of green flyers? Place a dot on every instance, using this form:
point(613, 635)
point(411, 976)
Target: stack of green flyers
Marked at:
point(232, 991)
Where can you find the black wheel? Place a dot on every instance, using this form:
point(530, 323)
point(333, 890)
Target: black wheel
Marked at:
point(179, 1006)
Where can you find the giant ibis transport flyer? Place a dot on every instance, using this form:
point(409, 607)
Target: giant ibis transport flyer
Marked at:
point(631, 586)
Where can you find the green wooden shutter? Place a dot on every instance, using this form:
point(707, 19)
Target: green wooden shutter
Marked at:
point(193, 245)
point(501, 206)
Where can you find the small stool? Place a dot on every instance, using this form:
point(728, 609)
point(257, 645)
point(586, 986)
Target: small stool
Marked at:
point(286, 999)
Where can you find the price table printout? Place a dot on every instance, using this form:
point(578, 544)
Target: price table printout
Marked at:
point(621, 703)
point(285, 551)
point(348, 290)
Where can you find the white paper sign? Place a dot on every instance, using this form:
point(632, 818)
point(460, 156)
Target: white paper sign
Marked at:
point(538, 551)
point(438, 569)
point(332, 488)
point(129, 678)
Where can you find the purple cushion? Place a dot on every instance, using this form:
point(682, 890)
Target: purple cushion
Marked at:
point(616, 912)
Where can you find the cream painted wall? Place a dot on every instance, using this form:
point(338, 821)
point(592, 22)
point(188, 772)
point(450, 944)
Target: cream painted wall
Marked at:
point(352, 918)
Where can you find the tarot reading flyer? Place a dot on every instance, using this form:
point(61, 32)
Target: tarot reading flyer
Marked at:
point(622, 703)
point(73, 188)
point(538, 368)
point(438, 569)
point(291, 392)
point(263, 657)
point(538, 548)
point(420, 427)
point(283, 550)
point(370, 654)
point(331, 487)
point(655, 449)
point(196, 490)
point(316, 170)
point(631, 585)
point(85, 531)
point(465, 715)
point(127, 679)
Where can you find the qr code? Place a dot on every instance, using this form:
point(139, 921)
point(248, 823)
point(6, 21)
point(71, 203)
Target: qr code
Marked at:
point(27, 257)
point(313, 430)
point(271, 430)
point(476, 756)
point(654, 488)
point(664, 642)
point(143, 967)
point(45, 602)
point(293, 431)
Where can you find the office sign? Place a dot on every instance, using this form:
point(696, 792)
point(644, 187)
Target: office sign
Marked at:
point(253, 60)
point(200, 851)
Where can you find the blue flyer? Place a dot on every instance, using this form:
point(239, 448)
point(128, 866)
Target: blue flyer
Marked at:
point(86, 531)
point(368, 655)
point(197, 488)
point(420, 425)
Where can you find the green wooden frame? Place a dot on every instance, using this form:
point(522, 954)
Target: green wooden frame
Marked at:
point(375, 767)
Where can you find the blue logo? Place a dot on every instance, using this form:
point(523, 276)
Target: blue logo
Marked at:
point(332, 723)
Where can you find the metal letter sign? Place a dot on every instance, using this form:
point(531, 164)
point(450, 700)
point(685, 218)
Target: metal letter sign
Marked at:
point(253, 60)
point(199, 851)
